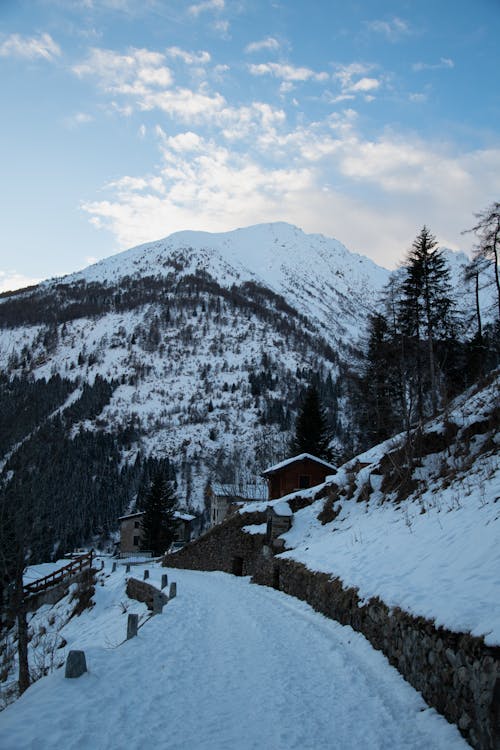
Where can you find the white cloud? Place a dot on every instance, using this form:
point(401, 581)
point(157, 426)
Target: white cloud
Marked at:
point(190, 58)
point(206, 191)
point(12, 280)
point(270, 43)
point(206, 5)
point(287, 72)
point(445, 63)
point(79, 118)
point(184, 142)
point(373, 194)
point(125, 73)
point(392, 30)
point(365, 84)
point(353, 80)
point(30, 48)
point(221, 27)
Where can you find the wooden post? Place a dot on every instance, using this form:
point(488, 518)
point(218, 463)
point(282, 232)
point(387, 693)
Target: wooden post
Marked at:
point(113, 568)
point(127, 569)
point(164, 580)
point(132, 626)
point(173, 590)
point(146, 575)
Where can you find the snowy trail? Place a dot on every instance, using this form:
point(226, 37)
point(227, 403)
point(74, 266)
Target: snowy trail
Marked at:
point(229, 666)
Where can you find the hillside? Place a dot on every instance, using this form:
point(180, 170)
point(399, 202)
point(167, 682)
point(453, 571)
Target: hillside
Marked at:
point(416, 522)
point(197, 348)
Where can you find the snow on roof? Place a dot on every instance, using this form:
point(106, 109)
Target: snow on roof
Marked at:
point(244, 491)
point(131, 515)
point(300, 457)
point(178, 514)
point(184, 516)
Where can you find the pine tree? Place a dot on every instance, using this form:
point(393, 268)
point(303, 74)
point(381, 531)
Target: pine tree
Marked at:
point(378, 392)
point(311, 430)
point(158, 521)
point(426, 308)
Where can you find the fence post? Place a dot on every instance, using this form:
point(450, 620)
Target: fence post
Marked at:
point(132, 626)
point(127, 569)
point(164, 580)
point(146, 575)
point(173, 590)
point(157, 603)
point(113, 568)
point(76, 664)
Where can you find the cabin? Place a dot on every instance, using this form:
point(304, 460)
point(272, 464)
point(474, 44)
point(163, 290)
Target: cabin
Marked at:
point(297, 473)
point(225, 499)
point(131, 532)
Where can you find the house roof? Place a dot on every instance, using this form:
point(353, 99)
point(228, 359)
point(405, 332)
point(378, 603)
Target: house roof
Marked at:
point(241, 491)
point(178, 514)
point(294, 459)
point(131, 515)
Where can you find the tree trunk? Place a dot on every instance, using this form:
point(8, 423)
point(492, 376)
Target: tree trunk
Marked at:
point(22, 633)
point(478, 311)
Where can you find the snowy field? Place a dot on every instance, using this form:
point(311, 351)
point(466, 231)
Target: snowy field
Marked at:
point(227, 666)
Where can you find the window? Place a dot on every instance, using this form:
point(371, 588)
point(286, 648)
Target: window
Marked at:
point(136, 541)
point(304, 481)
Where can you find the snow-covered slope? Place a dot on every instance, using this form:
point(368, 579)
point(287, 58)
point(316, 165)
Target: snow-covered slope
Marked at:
point(421, 534)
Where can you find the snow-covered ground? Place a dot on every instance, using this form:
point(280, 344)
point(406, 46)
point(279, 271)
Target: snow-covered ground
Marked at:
point(226, 665)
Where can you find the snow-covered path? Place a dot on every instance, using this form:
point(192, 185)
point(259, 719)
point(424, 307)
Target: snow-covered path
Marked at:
point(227, 666)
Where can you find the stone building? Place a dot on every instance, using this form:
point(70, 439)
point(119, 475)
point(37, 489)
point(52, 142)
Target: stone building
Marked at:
point(224, 499)
point(297, 473)
point(131, 532)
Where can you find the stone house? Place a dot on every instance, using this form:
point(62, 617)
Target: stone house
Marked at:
point(296, 473)
point(225, 499)
point(131, 532)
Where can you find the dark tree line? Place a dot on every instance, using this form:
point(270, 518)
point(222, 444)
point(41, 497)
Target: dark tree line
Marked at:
point(417, 356)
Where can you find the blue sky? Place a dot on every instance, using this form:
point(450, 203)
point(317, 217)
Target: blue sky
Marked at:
point(124, 121)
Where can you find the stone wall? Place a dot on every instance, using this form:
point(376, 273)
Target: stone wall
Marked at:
point(145, 592)
point(457, 674)
point(223, 547)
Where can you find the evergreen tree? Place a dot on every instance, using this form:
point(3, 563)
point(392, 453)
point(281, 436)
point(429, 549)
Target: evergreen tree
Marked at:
point(311, 430)
point(426, 308)
point(377, 395)
point(158, 522)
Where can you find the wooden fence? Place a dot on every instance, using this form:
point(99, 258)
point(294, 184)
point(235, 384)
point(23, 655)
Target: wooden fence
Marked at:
point(84, 562)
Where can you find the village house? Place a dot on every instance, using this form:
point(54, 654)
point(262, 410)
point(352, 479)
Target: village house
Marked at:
point(296, 473)
point(225, 499)
point(131, 532)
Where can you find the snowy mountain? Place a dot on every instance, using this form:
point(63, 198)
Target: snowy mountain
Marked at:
point(317, 275)
point(197, 348)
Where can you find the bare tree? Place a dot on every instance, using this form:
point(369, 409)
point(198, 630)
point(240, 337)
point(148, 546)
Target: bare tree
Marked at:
point(487, 230)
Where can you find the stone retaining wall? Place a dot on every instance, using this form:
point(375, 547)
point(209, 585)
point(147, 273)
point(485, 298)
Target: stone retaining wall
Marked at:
point(224, 547)
point(145, 592)
point(456, 673)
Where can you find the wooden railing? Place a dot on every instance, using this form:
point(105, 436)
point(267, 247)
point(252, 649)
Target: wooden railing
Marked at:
point(82, 563)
